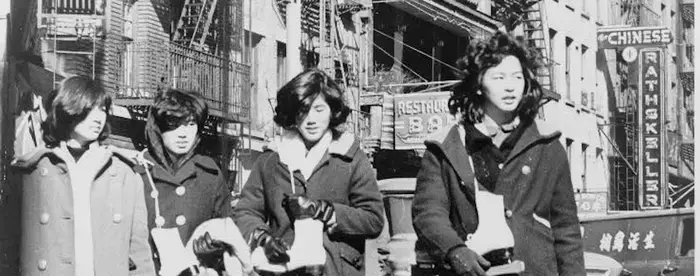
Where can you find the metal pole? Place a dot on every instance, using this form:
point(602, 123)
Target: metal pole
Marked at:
point(293, 38)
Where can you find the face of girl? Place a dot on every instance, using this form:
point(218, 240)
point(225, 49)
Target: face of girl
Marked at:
point(180, 140)
point(89, 129)
point(503, 86)
point(315, 124)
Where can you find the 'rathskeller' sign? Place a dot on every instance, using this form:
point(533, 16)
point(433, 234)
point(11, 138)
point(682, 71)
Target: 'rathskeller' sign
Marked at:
point(651, 118)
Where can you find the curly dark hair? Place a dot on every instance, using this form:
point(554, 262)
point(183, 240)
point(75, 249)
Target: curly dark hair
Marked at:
point(482, 55)
point(69, 105)
point(173, 108)
point(294, 100)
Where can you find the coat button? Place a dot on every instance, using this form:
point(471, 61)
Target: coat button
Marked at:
point(500, 166)
point(42, 265)
point(44, 218)
point(509, 213)
point(44, 171)
point(180, 220)
point(117, 218)
point(526, 170)
point(160, 221)
point(180, 190)
point(154, 194)
point(112, 171)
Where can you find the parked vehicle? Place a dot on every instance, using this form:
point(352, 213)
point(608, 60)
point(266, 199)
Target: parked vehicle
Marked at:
point(659, 242)
point(638, 243)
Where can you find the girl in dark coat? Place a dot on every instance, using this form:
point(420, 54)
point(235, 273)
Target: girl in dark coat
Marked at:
point(497, 147)
point(334, 181)
point(183, 188)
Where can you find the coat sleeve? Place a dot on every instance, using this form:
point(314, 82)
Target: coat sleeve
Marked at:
point(431, 209)
point(250, 210)
point(223, 198)
point(364, 216)
point(568, 244)
point(139, 248)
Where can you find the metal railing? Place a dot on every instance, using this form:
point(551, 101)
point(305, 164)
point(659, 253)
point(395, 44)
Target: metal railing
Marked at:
point(225, 87)
point(96, 7)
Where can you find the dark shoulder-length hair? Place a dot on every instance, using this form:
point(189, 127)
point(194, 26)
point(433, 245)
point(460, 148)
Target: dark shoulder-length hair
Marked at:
point(173, 108)
point(294, 100)
point(69, 105)
point(482, 55)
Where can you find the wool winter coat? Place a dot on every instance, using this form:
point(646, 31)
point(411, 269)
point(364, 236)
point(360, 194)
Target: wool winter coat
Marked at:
point(110, 208)
point(343, 176)
point(538, 197)
point(195, 194)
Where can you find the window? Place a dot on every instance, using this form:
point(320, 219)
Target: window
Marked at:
point(281, 64)
point(584, 166)
point(567, 64)
point(569, 143)
point(553, 48)
point(687, 238)
point(585, 90)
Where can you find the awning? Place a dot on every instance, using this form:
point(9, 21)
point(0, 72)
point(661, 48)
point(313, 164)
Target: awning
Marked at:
point(455, 17)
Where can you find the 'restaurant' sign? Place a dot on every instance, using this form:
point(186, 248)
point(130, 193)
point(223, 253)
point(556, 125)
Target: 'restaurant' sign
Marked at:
point(416, 116)
point(637, 36)
point(651, 119)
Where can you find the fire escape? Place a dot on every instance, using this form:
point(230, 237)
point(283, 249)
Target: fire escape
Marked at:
point(531, 15)
point(204, 39)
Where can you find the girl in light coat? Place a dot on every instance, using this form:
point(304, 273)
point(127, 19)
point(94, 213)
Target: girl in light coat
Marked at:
point(83, 209)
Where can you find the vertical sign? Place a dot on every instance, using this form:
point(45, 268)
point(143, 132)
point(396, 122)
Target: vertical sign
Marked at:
point(651, 129)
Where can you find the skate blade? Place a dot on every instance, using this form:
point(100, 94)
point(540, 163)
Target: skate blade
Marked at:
point(512, 268)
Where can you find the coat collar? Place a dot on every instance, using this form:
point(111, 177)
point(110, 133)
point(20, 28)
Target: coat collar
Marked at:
point(187, 171)
point(31, 159)
point(451, 143)
point(344, 146)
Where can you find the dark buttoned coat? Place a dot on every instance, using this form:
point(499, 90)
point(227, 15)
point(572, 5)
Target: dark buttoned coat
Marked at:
point(538, 195)
point(196, 192)
point(344, 176)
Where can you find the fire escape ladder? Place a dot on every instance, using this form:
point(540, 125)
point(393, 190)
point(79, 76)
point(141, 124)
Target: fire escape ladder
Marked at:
point(194, 24)
point(536, 37)
point(631, 152)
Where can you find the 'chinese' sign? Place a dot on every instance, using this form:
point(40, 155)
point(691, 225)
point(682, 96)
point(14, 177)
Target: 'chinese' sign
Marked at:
point(651, 127)
point(416, 116)
point(638, 36)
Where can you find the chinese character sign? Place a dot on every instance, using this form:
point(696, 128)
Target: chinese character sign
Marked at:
point(417, 116)
point(651, 103)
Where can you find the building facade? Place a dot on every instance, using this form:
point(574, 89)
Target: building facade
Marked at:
point(581, 113)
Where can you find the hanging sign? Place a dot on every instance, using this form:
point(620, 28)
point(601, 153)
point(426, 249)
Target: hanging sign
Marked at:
point(636, 36)
point(652, 166)
point(418, 115)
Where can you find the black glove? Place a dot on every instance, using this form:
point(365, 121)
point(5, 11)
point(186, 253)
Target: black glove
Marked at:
point(275, 248)
point(466, 262)
point(209, 251)
point(300, 207)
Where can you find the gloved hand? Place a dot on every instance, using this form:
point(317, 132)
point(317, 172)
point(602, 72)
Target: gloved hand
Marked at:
point(275, 248)
point(301, 207)
point(210, 252)
point(466, 262)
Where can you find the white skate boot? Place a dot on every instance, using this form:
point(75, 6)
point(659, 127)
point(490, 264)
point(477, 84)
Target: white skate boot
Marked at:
point(307, 251)
point(493, 238)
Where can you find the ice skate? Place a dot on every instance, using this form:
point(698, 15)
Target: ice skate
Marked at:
point(492, 223)
point(306, 253)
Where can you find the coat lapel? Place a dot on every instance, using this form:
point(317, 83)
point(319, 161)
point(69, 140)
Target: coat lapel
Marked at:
point(530, 137)
point(452, 146)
